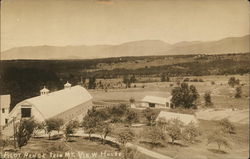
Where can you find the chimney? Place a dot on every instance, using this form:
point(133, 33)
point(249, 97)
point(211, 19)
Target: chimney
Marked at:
point(44, 91)
point(67, 85)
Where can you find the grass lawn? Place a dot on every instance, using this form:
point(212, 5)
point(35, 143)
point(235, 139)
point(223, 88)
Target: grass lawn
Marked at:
point(79, 145)
point(200, 149)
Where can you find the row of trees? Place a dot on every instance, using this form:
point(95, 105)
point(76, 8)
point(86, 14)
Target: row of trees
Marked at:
point(173, 129)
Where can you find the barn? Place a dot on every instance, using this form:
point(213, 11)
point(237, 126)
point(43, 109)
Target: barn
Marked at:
point(70, 103)
point(185, 118)
point(4, 109)
point(156, 102)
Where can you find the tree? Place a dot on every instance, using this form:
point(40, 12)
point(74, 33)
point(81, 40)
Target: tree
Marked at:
point(104, 128)
point(131, 116)
point(90, 124)
point(219, 138)
point(150, 115)
point(226, 126)
point(207, 98)
point(233, 81)
point(53, 124)
point(4, 142)
point(173, 128)
point(132, 79)
point(70, 128)
point(24, 131)
point(129, 152)
point(154, 134)
point(184, 96)
point(238, 92)
point(190, 133)
point(92, 83)
point(126, 81)
point(125, 135)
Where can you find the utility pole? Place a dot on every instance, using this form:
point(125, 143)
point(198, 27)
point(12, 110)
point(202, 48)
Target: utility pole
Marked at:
point(14, 128)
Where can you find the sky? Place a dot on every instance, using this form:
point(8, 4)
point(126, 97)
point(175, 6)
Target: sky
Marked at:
point(92, 22)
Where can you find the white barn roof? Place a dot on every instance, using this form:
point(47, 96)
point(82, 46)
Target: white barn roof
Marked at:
point(157, 100)
point(56, 102)
point(185, 118)
point(4, 101)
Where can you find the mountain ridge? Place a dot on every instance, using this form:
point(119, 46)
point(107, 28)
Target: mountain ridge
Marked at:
point(132, 48)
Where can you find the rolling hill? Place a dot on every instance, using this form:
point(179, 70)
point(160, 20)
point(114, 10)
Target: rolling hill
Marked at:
point(134, 48)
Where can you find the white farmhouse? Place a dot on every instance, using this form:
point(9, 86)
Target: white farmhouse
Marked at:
point(156, 102)
point(4, 109)
point(185, 118)
point(70, 103)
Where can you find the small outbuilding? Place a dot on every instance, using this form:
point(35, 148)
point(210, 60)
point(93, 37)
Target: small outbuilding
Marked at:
point(156, 102)
point(185, 118)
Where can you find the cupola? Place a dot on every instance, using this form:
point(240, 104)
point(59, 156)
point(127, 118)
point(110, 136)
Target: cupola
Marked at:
point(44, 91)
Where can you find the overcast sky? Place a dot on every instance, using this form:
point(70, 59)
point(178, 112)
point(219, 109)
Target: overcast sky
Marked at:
point(77, 22)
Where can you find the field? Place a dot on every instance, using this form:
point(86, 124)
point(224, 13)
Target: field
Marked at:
point(222, 94)
point(200, 149)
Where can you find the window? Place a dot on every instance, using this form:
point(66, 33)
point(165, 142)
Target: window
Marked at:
point(151, 105)
point(3, 110)
point(167, 104)
point(6, 121)
point(26, 112)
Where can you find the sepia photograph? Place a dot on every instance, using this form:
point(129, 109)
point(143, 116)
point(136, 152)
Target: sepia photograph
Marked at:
point(124, 79)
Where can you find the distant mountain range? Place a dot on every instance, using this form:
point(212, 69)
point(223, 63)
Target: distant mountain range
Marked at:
point(134, 48)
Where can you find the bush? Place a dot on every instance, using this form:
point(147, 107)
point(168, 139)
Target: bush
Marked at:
point(150, 116)
point(212, 83)
point(238, 92)
point(24, 131)
point(207, 98)
point(227, 126)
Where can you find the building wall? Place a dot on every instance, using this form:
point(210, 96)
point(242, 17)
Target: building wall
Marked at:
point(76, 113)
point(68, 115)
point(145, 104)
point(16, 112)
point(3, 115)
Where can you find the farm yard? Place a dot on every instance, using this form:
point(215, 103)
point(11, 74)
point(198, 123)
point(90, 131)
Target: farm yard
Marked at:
point(118, 107)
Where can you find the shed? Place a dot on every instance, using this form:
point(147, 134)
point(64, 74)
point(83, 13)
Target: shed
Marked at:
point(156, 102)
point(185, 118)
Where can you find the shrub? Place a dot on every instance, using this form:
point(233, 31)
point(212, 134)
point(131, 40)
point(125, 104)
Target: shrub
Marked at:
point(238, 92)
point(24, 131)
point(124, 136)
point(227, 126)
point(212, 83)
point(150, 116)
point(207, 98)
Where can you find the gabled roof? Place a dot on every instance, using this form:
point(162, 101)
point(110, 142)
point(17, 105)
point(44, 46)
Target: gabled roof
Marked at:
point(185, 118)
point(4, 101)
point(155, 99)
point(57, 102)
